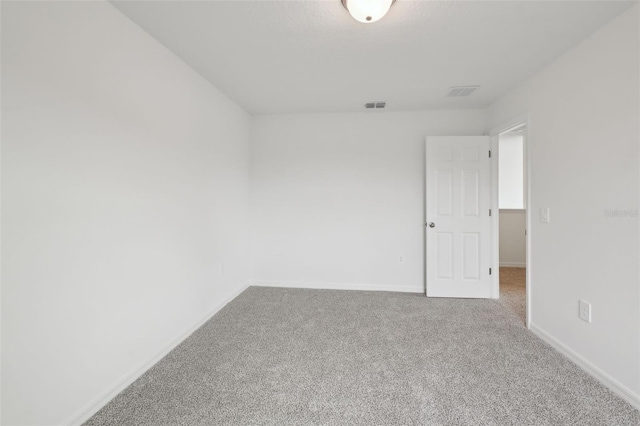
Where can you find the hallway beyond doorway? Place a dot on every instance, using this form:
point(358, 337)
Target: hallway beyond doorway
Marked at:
point(513, 290)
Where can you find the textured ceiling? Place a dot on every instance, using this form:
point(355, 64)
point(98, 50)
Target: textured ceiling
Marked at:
point(311, 56)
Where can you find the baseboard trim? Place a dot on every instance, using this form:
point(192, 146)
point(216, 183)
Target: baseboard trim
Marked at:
point(340, 286)
point(513, 264)
point(96, 404)
point(612, 384)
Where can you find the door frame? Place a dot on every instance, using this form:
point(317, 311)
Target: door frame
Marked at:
point(494, 133)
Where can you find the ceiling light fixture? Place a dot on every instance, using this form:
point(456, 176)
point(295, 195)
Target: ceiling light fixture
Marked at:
point(367, 11)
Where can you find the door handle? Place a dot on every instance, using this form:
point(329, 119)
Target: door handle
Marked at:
point(432, 225)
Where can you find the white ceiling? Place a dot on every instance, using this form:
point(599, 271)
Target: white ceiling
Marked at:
point(311, 56)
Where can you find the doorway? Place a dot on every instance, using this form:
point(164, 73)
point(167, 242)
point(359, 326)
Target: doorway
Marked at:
point(512, 218)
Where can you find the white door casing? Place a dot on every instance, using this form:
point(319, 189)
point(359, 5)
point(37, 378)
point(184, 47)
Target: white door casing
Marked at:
point(458, 221)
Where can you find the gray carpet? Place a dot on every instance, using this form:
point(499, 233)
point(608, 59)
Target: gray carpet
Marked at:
point(278, 356)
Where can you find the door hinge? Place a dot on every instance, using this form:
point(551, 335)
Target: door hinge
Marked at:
point(489, 153)
point(489, 212)
point(489, 271)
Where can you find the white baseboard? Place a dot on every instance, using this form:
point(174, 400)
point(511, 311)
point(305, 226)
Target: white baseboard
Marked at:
point(612, 384)
point(340, 286)
point(513, 264)
point(96, 404)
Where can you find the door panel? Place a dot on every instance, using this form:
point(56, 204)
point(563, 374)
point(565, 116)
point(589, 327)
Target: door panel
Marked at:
point(445, 255)
point(445, 192)
point(470, 255)
point(458, 190)
point(470, 189)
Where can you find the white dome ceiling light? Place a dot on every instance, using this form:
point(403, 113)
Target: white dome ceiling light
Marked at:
point(367, 11)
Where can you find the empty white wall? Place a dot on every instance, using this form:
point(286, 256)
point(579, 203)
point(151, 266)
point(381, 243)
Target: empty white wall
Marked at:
point(125, 185)
point(512, 238)
point(511, 171)
point(584, 142)
point(337, 199)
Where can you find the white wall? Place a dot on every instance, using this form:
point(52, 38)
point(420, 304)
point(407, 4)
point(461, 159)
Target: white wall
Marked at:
point(511, 171)
point(512, 238)
point(337, 199)
point(584, 142)
point(125, 185)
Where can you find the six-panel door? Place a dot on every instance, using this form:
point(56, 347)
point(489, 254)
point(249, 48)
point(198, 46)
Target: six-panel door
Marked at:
point(458, 232)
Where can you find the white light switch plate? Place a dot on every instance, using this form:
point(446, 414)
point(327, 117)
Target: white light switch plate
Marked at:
point(545, 215)
point(584, 310)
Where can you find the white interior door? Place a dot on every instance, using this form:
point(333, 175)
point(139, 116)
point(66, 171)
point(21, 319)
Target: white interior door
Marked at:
point(458, 222)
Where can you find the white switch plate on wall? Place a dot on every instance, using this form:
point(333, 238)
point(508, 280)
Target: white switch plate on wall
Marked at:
point(584, 310)
point(545, 215)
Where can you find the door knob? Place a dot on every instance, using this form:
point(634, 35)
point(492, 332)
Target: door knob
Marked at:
point(432, 225)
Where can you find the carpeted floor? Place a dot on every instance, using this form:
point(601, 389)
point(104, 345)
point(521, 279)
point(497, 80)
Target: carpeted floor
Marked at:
point(278, 356)
point(512, 291)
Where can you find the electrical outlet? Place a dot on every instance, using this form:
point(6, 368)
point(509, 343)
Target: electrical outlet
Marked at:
point(545, 215)
point(584, 311)
point(401, 259)
point(221, 271)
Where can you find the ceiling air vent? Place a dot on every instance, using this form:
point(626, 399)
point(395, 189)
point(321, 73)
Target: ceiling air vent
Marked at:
point(461, 91)
point(375, 105)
